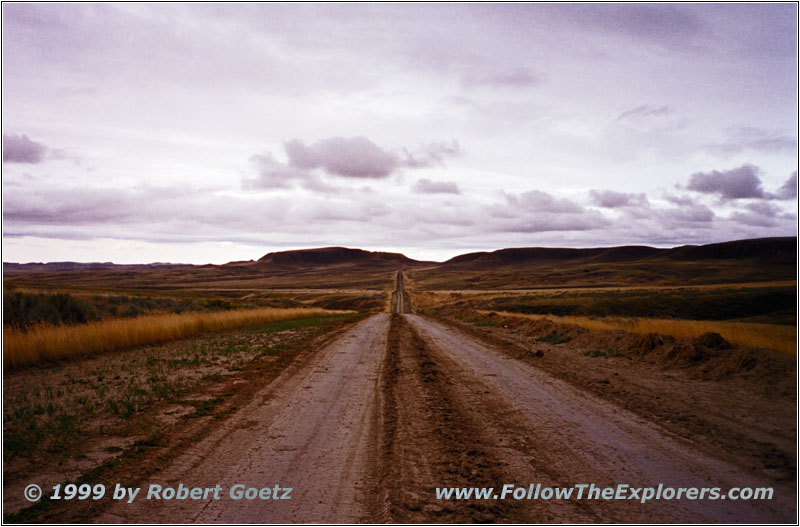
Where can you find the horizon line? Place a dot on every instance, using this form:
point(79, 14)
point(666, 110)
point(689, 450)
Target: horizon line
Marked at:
point(391, 252)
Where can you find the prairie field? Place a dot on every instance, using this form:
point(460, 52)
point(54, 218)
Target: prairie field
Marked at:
point(111, 372)
point(740, 334)
point(50, 343)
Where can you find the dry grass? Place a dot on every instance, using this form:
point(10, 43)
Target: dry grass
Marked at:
point(744, 335)
point(491, 293)
point(46, 343)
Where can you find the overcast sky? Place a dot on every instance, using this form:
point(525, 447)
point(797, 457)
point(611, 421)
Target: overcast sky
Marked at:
point(218, 132)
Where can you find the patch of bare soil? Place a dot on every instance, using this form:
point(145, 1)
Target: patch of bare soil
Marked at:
point(744, 415)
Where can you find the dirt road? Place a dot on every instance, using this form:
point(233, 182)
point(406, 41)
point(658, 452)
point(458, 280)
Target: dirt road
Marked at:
point(402, 404)
point(314, 431)
point(399, 297)
point(549, 432)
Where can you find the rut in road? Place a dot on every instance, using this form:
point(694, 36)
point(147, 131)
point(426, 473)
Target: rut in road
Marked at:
point(428, 441)
point(550, 432)
point(315, 431)
point(400, 300)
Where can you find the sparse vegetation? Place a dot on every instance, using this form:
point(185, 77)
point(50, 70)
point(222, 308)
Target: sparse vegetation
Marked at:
point(765, 304)
point(22, 310)
point(49, 409)
point(741, 334)
point(602, 353)
point(47, 343)
point(554, 338)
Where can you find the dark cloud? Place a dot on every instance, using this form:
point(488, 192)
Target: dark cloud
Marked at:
point(749, 138)
point(644, 111)
point(22, 149)
point(691, 214)
point(360, 158)
point(426, 186)
point(789, 189)
point(611, 200)
point(759, 214)
point(737, 183)
point(354, 157)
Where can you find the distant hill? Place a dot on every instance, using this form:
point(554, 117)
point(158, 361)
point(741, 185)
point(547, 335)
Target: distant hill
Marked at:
point(777, 250)
point(334, 256)
point(54, 267)
point(768, 250)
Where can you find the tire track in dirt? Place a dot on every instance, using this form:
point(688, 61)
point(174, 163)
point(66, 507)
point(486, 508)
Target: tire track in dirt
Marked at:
point(428, 441)
point(315, 432)
point(550, 432)
point(400, 301)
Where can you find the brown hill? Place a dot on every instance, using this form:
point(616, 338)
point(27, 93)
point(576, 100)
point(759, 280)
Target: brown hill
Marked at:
point(777, 250)
point(334, 256)
point(546, 255)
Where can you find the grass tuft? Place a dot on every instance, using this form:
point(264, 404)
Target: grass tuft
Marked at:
point(554, 338)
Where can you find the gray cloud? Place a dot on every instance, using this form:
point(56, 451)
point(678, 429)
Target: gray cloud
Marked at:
point(538, 201)
point(22, 149)
point(737, 183)
point(354, 157)
point(690, 214)
point(611, 200)
point(273, 174)
point(105, 209)
point(749, 138)
point(537, 211)
point(73, 206)
point(426, 186)
point(360, 158)
point(644, 111)
point(789, 189)
point(512, 78)
point(679, 200)
point(430, 154)
point(351, 158)
point(759, 214)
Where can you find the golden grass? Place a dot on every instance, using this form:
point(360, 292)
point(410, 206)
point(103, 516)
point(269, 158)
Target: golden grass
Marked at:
point(45, 343)
point(496, 292)
point(741, 334)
